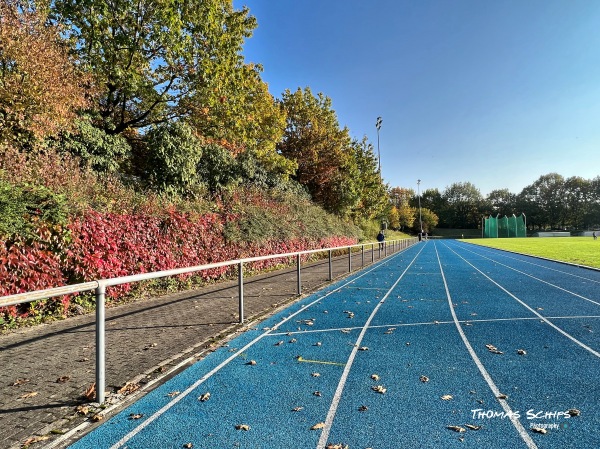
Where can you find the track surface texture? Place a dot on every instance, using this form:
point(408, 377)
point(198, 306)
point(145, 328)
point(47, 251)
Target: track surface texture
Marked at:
point(442, 345)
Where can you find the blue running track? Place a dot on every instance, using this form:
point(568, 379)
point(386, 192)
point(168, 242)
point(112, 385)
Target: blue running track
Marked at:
point(444, 345)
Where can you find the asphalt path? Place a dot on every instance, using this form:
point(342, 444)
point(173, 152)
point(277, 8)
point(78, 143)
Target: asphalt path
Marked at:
point(442, 345)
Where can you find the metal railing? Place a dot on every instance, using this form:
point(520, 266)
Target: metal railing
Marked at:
point(99, 287)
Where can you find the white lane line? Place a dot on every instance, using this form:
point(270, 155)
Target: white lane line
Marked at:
point(541, 317)
point(499, 253)
point(340, 388)
point(204, 378)
point(431, 323)
point(515, 421)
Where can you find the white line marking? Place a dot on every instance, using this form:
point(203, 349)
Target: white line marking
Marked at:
point(340, 388)
point(204, 378)
point(520, 429)
point(541, 317)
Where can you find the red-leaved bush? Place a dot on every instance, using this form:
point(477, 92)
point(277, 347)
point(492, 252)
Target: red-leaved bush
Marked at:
point(109, 245)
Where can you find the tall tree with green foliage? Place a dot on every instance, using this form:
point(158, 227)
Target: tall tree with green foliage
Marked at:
point(322, 151)
point(151, 57)
point(463, 201)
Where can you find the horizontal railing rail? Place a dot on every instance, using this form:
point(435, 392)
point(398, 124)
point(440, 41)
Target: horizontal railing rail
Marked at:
point(99, 287)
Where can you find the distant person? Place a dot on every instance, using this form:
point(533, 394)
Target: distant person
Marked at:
point(420, 236)
point(594, 235)
point(380, 239)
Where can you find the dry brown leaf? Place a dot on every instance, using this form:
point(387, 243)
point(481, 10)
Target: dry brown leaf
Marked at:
point(375, 377)
point(28, 395)
point(188, 445)
point(363, 408)
point(447, 397)
point(317, 393)
point(205, 397)
point(33, 440)
point(363, 348)
point(472, 426)
point(172, 394)
point(379, 389)
point(315, 374)
point(521, 352)
point(338, 446)
point(63, 379)
point(90, 393)
point(457, 429)
point(244, 427)
point(128, 388)
point(20, 382)
point(318, 426)
point(502, 396)
point(136, 415)
point(251, 362)
point(279, 343)
point(539, 430)
point(293, 340)
point(83, 409)
point(424, 379)
point(97, 418)
point(574, 412)
point(297, 409)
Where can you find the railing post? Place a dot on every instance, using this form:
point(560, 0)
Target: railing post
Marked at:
point(241, 290)
point(362, 256)
point(372, 252)
point(330, 267)
point(385, 247)
point(349, 260)
point(100, 344)
point(379, 249)
point(299, 276)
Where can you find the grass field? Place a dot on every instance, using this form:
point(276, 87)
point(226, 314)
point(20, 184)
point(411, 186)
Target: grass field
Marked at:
point(578, 250)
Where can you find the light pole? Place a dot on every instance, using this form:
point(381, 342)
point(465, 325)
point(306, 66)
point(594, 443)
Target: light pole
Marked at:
point(419, 196)
point(378, 126)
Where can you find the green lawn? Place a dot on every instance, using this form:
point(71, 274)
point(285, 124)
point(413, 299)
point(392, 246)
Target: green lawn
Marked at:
point(579, 250)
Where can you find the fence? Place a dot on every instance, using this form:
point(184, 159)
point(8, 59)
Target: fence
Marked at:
point(99, 287)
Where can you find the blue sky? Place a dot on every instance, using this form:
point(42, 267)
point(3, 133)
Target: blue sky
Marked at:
point(493, 92)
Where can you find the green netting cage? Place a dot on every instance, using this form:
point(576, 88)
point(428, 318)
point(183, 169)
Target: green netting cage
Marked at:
point(504, 227)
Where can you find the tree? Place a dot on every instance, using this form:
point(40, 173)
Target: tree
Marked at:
point(174, 153)
point(41, 90)
point(502, 202)
point(401, 198)
point(429, 220)
point(543, 201)
point(372, 198)
point(240, 114)
point(321, 150)
point(151, 57)
point(463, 201)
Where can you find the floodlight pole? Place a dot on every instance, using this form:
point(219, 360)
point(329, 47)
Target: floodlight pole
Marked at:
point(419, 196)
point(378, 126)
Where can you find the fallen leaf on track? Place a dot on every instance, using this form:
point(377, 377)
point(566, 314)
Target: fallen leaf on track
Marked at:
point(447, 397)
point(318, 426)
point(136, 415)
point(363, 408)
point(172, 394)
point(28, 395)
point(539, 430)
point(379, 389)
point(20, 382)
point(472, 426)
point(297, 409)
point(244, 427)
point(574, 412)
point(375, 377)
point(62, 379)
point(205, 397)
point(424, 379)
point(521, 352)
point(457, 429)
